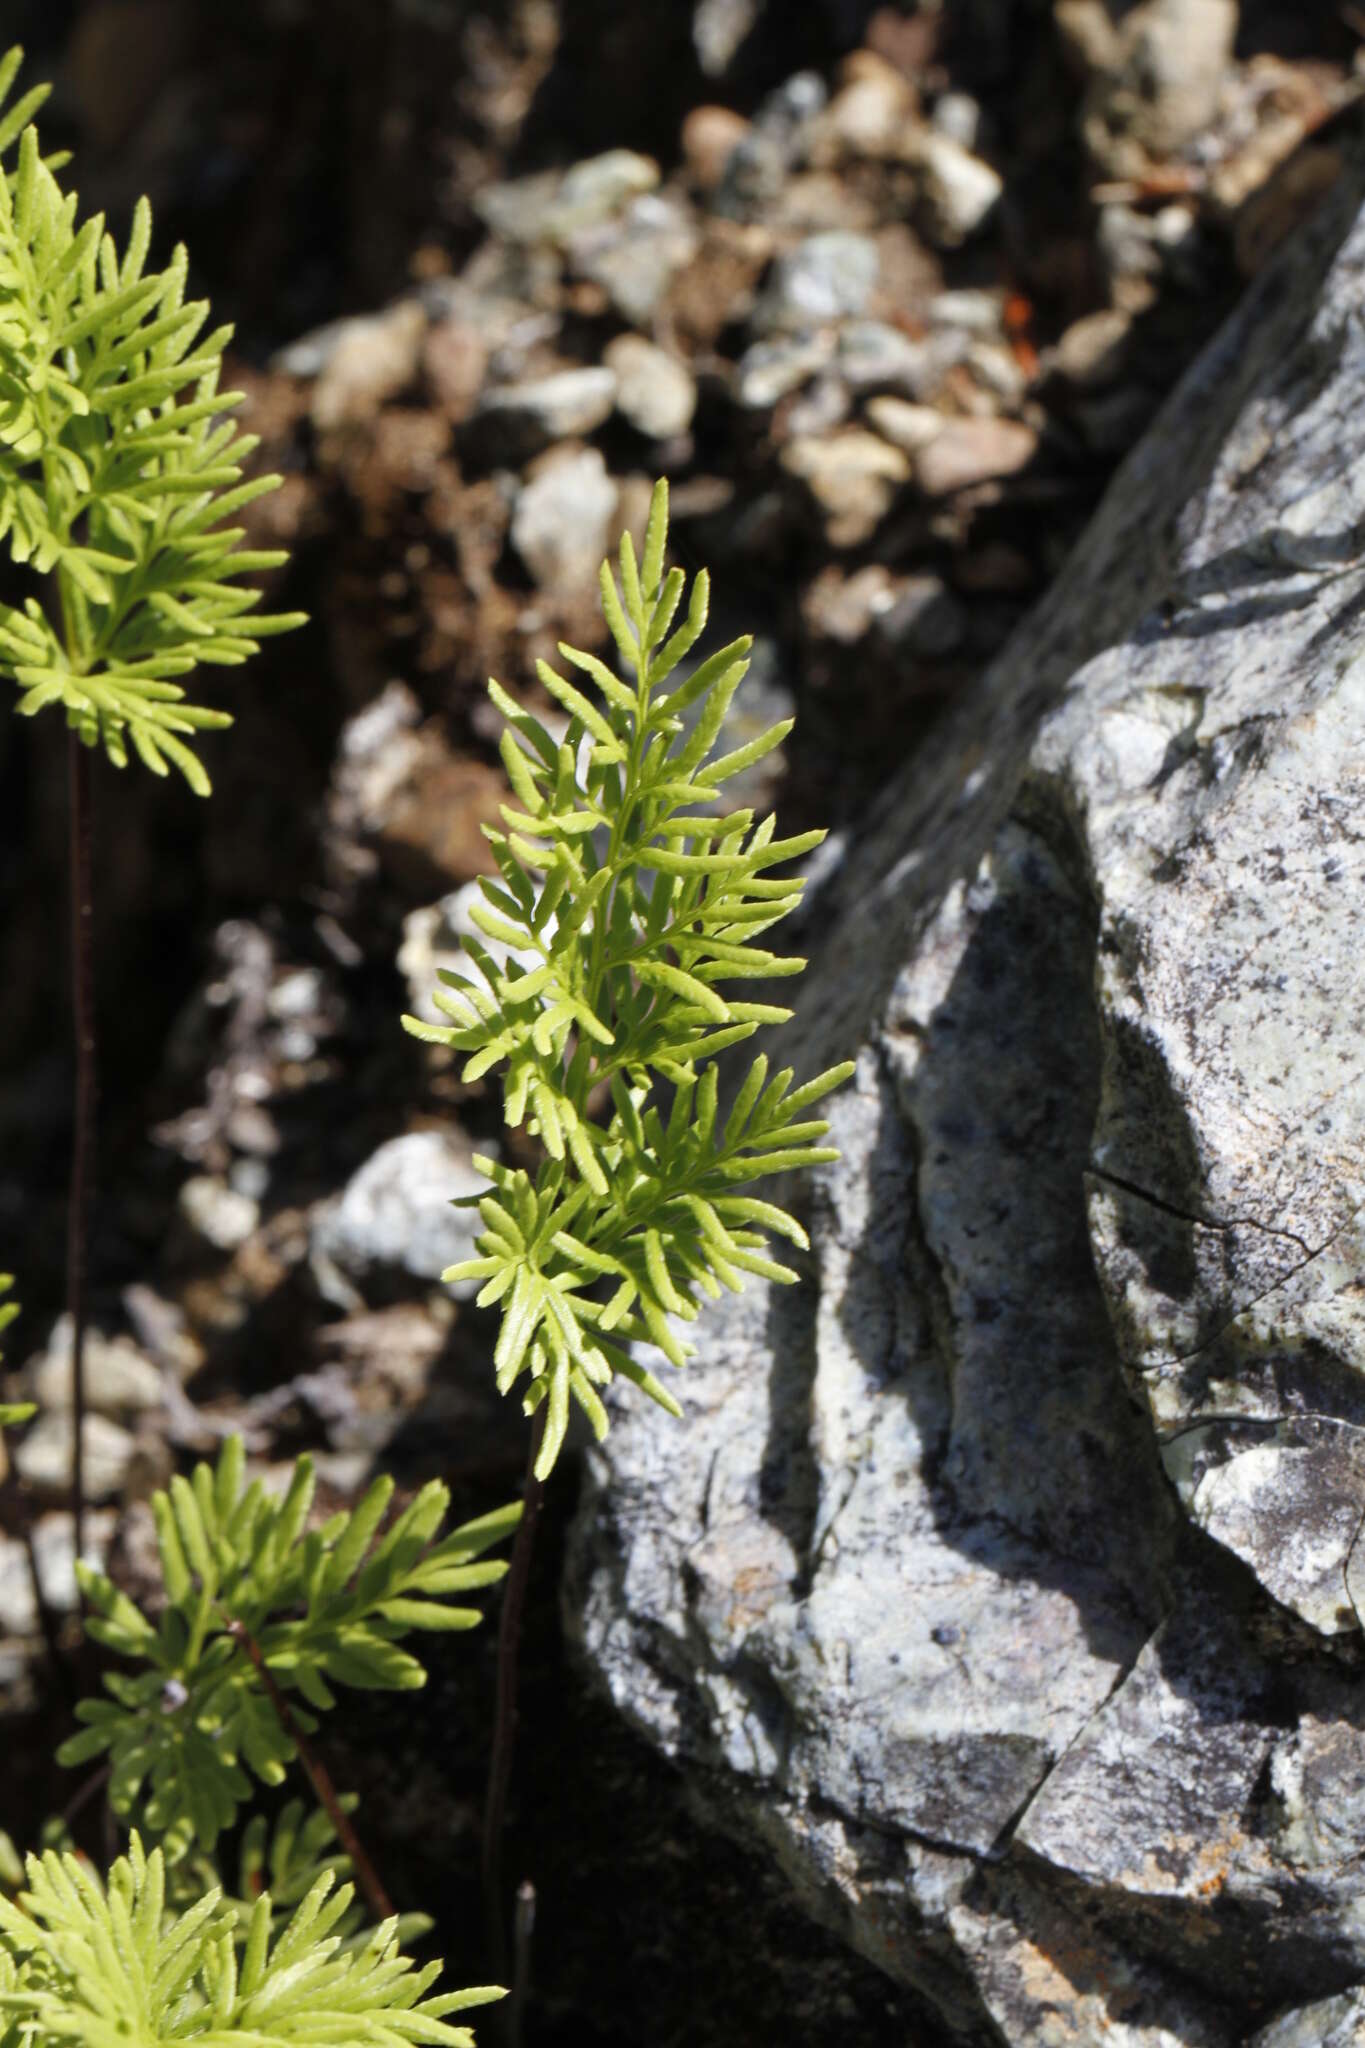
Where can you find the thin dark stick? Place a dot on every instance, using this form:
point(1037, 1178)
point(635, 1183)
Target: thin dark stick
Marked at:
point(367, 1877)
point(81, 811)
point(523, 1926)
point(505, 1710)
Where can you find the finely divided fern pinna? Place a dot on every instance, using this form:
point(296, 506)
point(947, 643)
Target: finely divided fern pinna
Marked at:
point(118, 469)
point(624, 903)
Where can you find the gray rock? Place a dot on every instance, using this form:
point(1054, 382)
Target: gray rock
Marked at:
point(958, 192)
point(54, 1550)
point(768, 370)
point(434, 941)
point(868, 116)
point(654, 391)
point(754, 175)
point(520, 419)
point(43, 1459)
point(395, 1214)
point(925, 619)
point(550, 206)
point(973, 451)
point(521, 209)
point(1002, 1581)
point(903, 423)
point(365, 363)
point(708, 137)
point(901, 617)
point(561, 523)
point(635, 257)
point(379, 749)
point(503, 298)
point(600, 184)
point(1094, 349)
point(958, 116)
point(1160, 83)
point(846, 608)
point(876, 357)
point(1129, 249)
point(852, 475)
point(306, 355)
point(971, 312)
point(798, 99)
point(718, 29)
point(1331, 2023)
point(119, 1379)
point(823, 405)
point(824, 279)
point(220, 1214)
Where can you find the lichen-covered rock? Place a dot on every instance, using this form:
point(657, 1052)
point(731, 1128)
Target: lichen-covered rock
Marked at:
point(1005, 1577)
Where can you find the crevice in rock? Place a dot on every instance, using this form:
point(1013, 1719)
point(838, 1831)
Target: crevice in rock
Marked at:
point(1263, 1294)
point(1224, 1224)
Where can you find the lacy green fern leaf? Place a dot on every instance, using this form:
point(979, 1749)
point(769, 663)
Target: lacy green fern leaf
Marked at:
point(322, 1606)
point(107, 1966)
point(623, 905)
point(118, 470)
point(10, 1411)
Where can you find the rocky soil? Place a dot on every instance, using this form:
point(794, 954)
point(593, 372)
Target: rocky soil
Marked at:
point(887, 292)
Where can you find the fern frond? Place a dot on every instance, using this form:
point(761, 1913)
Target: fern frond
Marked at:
point(10, 1411)
point(118, 470)
point(323, 1606)
point(105, 1965)
point(631, 903)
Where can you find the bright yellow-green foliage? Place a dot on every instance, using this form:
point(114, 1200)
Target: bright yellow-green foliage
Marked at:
point(117, 470)
point(323, 1606)
point(109, 1966)
point(163, 1952)
point(10, 1411)
point(626, 901)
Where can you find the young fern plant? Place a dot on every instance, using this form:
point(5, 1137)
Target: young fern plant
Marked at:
point(318, 1607)
point(100, 1964)
point(118, 472)
point(627, 903)
point(256, 1604)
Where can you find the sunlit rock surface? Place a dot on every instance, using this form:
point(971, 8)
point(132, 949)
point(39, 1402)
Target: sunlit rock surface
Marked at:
point(1003, 1579)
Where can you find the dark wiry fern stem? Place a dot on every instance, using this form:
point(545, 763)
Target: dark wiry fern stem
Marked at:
point(505, 1711)
point(319, 1777)
point(83, 1143)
